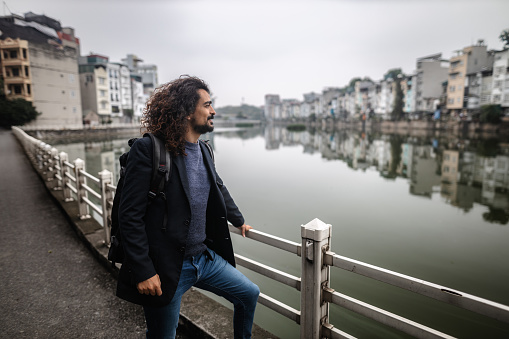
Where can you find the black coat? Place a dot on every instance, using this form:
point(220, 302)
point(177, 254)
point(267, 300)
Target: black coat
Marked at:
point(148, 248)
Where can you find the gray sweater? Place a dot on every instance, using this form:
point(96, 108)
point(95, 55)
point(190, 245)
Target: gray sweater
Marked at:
point(199, 185)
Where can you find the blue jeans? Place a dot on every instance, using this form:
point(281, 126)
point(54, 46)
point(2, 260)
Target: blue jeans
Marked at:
point(211, 273)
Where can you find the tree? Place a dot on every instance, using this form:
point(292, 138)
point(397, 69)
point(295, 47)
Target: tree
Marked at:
point(16, 112)
point(352, 82)
point(393, 73)
point(491, 114)
point(504, 37)
point(397, 108)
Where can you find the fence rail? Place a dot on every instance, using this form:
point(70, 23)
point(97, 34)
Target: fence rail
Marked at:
point(314, 250)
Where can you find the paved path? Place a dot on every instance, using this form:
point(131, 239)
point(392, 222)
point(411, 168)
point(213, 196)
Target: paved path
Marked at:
point(50, 284)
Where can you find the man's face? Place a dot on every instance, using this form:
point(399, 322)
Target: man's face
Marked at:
point(201, 119)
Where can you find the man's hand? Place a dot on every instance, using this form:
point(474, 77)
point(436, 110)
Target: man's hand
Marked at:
point(245, 228)
point(150, 286)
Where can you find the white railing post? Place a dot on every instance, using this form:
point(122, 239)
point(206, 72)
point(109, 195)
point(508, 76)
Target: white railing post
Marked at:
point(79, 165)
point(52, 161)
point(106, 178)
point(64, 170)
point(315, 276)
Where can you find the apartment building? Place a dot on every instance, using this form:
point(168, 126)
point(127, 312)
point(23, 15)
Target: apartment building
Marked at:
point(95, 89)
point(147, 72)
point(39, 63)
point(432, 71)
point(500, 84)
point(469, 60)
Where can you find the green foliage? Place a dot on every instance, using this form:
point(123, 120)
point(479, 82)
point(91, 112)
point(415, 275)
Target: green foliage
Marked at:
point(488, 147)
point(496, 215)
point(397, 108)
point(247, 111)
point(504, 37)
point(491, 114)
point(393, 73)
point(16, 112)
point(352, 82)
point(244, 124)
point(296, 128)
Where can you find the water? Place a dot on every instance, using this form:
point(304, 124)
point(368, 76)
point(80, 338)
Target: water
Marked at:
point(433, 208)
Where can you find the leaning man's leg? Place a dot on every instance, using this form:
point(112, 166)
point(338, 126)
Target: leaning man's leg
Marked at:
point(221, 278)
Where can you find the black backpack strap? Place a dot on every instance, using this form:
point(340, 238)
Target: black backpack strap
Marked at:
point(161, 169)
point(206, 143)
point(161, 166)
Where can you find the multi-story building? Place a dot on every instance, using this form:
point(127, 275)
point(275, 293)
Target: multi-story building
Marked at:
point(147, 72)
point(272, 107)
point(39, 63)
point(95, 89)
point(432, 71)
point(469, 60)
point(139, 97)
point(500, 87)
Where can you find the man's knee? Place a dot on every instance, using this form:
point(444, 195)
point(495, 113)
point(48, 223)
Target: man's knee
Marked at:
point(253, 292)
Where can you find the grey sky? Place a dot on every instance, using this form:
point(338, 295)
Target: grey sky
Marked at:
point(246, 49)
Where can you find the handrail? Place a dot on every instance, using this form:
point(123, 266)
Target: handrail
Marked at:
point(316, 260)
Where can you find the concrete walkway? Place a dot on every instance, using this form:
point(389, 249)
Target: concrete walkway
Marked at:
point(50, 285)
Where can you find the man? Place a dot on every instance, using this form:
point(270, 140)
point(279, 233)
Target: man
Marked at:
point(193, 247)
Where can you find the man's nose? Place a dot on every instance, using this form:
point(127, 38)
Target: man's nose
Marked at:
point(212, 110)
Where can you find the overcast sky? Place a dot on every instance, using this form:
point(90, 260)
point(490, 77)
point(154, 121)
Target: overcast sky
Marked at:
point(246, 49)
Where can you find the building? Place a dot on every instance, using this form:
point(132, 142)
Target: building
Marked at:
point(39, 63)
point(272, 107)
point(432, 71)
point(500, 87)
point(147, 72)
point(469, 60)
point(95, 92)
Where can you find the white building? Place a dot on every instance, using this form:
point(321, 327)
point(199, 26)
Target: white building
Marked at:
point(500, 87)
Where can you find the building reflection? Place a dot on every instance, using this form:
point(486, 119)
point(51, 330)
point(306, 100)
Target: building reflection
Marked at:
point(463, 172)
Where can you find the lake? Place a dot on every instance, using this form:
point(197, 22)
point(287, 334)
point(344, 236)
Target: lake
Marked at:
point(433, 208)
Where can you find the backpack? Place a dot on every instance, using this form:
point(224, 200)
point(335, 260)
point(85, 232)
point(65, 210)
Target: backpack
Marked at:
point(161, 169)
point(160, 175)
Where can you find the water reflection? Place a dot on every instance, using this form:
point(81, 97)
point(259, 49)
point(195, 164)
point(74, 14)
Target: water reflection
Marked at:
point(464, 172)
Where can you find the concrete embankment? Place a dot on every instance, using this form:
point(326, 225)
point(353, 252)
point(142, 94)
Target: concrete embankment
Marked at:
point(53, 287)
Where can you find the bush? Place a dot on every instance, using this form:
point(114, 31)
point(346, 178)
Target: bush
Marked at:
point(16, 112)
point(491, 114)
point(296, 128)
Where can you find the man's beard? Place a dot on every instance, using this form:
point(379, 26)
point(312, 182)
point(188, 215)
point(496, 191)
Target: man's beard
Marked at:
point(202, 129)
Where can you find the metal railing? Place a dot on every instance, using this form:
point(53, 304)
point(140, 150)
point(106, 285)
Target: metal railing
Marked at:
point(314, 250)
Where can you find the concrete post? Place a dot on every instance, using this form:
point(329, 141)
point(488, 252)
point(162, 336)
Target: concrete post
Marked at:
point(106, 178)
point(315, 276)
point(79, 165)
point(64, 170)
point(52, 161)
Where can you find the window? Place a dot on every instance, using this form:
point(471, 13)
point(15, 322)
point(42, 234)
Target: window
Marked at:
point(506, 98)
point(71, 78)
point(74, 109)
point(498, 84)
point(13, 54)
point(102, 80)
point(102, 93)
point(72, 93)
point(28, 89)
point(496, 98)
point(17, 89)
point(15, 72)
point(506, 85)
point(103, 105)
point(458, 100)
point(452, 88)
point(26, 71)
point(24, 53)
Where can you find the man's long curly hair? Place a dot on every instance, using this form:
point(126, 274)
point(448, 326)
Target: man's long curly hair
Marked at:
point(166, 112)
